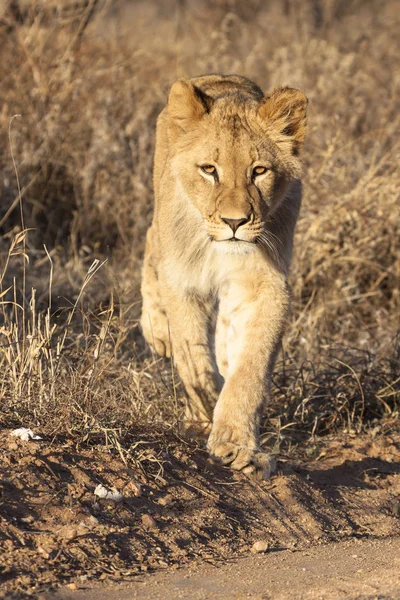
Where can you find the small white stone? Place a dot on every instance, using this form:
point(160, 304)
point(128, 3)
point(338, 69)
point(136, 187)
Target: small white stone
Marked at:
point(105, 494)
point(259, 546)
point(25, 434)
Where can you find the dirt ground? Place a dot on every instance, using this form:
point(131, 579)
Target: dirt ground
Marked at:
point(357, 569)
point(178, 509)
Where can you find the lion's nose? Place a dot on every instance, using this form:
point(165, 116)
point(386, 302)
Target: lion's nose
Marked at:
point(234, 224)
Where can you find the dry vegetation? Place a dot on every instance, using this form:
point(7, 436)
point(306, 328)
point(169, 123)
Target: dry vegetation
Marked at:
point(81, 86)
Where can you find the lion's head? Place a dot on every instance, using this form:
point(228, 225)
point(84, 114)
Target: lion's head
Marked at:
point(235, 155)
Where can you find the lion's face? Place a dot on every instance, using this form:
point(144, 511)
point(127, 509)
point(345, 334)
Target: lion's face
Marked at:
point(234, 159)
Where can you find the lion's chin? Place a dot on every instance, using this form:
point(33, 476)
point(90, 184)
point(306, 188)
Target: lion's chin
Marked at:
point(234, 247)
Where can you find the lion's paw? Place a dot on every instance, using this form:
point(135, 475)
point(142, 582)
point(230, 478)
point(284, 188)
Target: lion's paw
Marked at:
point(246, 458)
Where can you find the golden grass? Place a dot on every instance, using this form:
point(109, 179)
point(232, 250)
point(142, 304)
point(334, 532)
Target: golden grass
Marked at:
point(88, 86)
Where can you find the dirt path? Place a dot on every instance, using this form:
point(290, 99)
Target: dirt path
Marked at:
point(182, 511)
point(357, 569)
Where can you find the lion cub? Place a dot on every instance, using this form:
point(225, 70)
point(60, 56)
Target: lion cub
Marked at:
point(215, 292)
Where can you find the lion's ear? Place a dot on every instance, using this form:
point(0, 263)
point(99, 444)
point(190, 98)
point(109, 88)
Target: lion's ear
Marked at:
point(287, 109)
point(186, 103)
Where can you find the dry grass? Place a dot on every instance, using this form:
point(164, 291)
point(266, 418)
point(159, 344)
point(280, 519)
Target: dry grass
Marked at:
point(88, 86)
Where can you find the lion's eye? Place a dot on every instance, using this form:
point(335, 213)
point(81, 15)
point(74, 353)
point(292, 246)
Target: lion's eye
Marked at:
point(259, 171)
point(209, 169)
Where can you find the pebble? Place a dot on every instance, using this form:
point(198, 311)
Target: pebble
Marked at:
point(149, 522)
point(72, 586)
point(43, 552)
point(69, 533)
point(166, 500)
point(28, 519)
point(93, 520)
point(259, 546)
point(136, 488)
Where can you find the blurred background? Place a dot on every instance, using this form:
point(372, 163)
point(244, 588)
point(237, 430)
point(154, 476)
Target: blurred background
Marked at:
point(87, 81)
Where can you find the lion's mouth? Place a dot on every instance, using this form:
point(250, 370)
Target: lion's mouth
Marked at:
point(234, 240)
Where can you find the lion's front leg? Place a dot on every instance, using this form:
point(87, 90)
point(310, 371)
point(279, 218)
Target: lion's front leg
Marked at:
point(257, 313)
point(153, 320)
point(192, 352)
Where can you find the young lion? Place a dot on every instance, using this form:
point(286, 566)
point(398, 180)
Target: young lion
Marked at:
point(215, 292)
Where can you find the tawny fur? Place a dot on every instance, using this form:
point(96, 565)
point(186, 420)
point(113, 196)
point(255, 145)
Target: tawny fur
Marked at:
point(221, 303)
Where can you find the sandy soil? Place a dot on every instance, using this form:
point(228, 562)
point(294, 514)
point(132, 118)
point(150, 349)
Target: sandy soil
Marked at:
point(178, 509)
point(361, 569)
